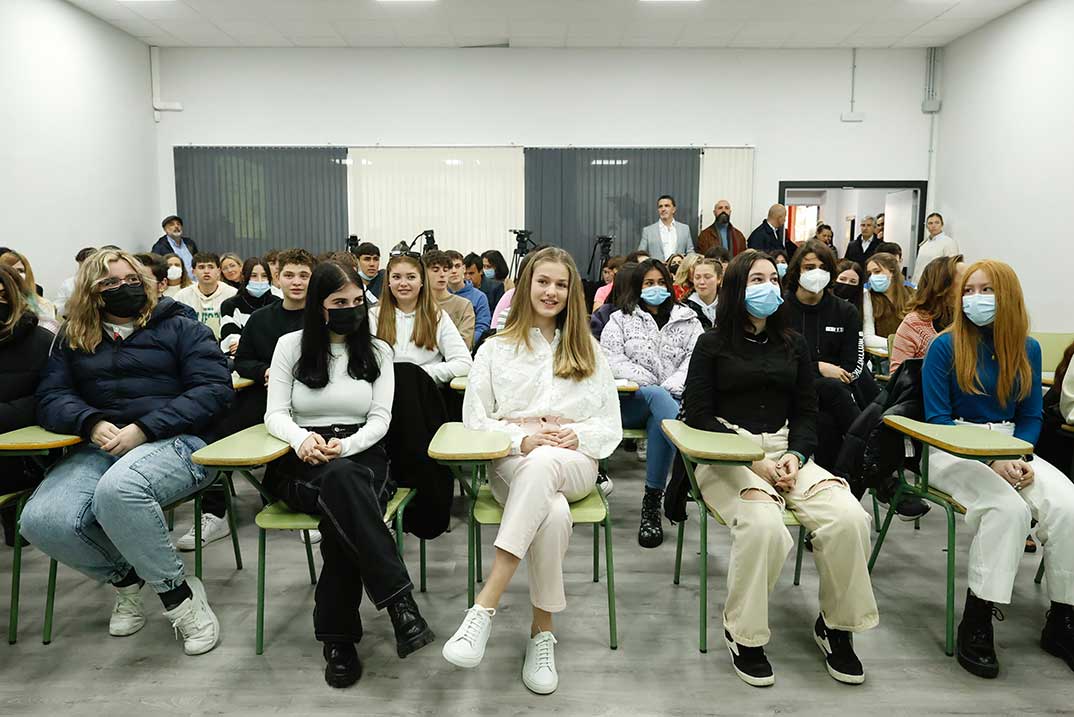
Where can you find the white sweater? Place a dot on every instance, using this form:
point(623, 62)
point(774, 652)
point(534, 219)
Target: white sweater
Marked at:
point(207, 307)
point(638, 350)
point(345, 400)
point(450, 359)
point(934, 248)
point(509, 381)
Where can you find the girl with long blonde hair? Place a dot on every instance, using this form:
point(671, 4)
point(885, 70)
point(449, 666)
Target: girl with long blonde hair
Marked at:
point(141, 383)
point(985, 370)
point(543, 381)
point(886, 299)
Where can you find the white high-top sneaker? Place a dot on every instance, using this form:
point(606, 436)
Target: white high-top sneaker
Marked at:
point(128, 614)
point(539, 671)
point(195, 620)
point(212, 529)
point(466, 647)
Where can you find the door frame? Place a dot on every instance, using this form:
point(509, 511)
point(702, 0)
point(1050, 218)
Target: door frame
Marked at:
point(920, 185)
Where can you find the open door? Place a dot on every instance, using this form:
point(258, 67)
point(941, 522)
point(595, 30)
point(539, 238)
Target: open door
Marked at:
point(900, 219)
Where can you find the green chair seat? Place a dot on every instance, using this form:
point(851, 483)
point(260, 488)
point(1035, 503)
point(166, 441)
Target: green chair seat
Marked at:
point(637, 434)
point(277, 516)
point(789, 518)
point(583, 512)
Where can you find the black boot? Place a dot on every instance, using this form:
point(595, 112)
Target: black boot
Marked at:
point(976, 651)
point(342, 668)
point(411, 631)
point(1058, 635)
point(651, 532)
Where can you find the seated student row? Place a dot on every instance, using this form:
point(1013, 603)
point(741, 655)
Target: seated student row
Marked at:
point(127, 280)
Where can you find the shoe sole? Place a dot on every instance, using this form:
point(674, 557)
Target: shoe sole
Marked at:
point(426, 637)
point(1055, 651)
point(747, 678)
point(975, 669)
point(185, 549)
point(466, 664)
point(196, 586)
point(539, 690)
point(127, 633)
point(340, 682)
point(836, 674)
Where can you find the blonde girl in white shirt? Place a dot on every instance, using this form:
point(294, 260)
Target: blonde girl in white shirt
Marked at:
point(544, 381)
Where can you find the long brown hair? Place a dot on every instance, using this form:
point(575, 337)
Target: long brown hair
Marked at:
point(1009, 332)
point(14, 295)
point(935, 297)
point(83, 326)
point(184, 280)
point(576, 354)
point(11, 258)
point(428, 313)
point(883, 305)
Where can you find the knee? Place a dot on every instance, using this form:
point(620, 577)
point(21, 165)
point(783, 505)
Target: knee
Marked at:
point(114, 488)
point(1012, 509)
point(39, 519)
point(760, 517)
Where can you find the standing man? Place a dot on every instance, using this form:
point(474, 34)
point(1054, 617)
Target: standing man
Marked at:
point(458, 285)
point(865, 245)
point(880, 226)
point(173, 242)
point(769, 236)
point(936, 245)
point(721, 232)
point(369, 268)
point(207, 296)
point(475, 274)
point(667, 236)
point(461, 311)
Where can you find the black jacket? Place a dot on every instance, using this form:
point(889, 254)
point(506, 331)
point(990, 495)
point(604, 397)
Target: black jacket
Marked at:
point(259, 336)
point(374, 286)
point(23, 354)
point(237, 310)
point(832, 330)
point(856, 253)
point(764, 239)
point(163, 246)
point(168, 378)
point(600, 317)
point(493, 291)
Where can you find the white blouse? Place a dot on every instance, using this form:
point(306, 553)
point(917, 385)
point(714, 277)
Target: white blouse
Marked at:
point(344, 400)
point(450, 359)
point(509, 381)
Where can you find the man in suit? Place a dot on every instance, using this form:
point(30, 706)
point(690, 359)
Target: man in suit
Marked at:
point(173, 242)
point(770, 236)
point(865, 245)
point(721, 232)
point(667, 236)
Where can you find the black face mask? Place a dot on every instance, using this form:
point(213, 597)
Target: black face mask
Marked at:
point(125, 301)
point(848, 292)
point(347, 320)
point(674, 269)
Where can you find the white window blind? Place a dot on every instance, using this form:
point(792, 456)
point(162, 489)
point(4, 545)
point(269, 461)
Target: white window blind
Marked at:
point(727, 173)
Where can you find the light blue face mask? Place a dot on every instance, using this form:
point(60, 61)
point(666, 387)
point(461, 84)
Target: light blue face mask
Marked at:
point(879, 283)
point(258, 288)
point(365, 277)
point(489, 273)
point(980, 308)
point(762, 300)
point(781, 269)
point(655, 295)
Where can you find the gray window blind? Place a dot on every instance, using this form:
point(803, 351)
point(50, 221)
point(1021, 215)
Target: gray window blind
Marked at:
point(252, 199)
point(574, 195)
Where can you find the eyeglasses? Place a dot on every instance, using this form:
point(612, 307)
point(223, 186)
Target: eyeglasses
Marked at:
point(111, 282)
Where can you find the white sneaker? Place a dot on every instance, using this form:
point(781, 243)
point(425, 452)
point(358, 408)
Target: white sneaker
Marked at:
point(212, 528)
point(539, 671)
point(604, 482)
point(128, 614)
point(315, 536)
point(466, 647)
point(642, 447)
point(196, 620)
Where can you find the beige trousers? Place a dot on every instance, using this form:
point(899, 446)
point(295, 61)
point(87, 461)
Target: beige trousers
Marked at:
point(535, 491)
point(840, 530)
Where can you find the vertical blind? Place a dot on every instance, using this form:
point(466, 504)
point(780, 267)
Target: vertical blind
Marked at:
point(469, 196)
point(575, 195)
point(252, 199)
point(727, 173)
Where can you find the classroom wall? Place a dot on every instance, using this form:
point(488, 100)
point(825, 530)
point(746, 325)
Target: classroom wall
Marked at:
point(785, 102)
point(79, 140)
point(1005, 164)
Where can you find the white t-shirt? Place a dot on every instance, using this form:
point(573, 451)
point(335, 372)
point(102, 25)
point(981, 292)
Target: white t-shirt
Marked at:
point(668, 238)
point(208, 307)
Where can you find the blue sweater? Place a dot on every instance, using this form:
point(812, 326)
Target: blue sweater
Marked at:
point(482, 315)
point(945, 401)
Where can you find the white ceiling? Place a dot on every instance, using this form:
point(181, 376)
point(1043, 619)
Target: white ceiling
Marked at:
point(549, 23)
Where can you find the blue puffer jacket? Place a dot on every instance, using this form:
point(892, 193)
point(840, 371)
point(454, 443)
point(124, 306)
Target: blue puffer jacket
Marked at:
point(169, 378)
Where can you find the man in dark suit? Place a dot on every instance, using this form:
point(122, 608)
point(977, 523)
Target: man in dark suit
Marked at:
point(770, 236)
point(173, 242)
point(721, 232)
point(865, 245)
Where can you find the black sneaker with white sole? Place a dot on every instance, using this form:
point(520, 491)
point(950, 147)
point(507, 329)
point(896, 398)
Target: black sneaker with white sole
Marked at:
point(604, 482)
point(838, 648)
point(750, 663)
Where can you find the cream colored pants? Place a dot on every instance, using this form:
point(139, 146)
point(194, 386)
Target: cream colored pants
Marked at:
point(535, 491)
point(760, 542)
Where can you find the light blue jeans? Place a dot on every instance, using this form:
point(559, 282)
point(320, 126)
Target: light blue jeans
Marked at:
point(646, 409)
point(102, 515)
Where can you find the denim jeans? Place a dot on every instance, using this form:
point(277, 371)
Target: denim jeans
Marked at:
point(102, 515)
point(647, 408)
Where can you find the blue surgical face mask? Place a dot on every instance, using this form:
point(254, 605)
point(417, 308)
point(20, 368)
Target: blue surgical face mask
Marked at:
point(762, 300)
point(980, 308)
point(781, 269)
point(366, 277)
point(258, 288)
point(655, 295)
point(489, 273)
point(879, 283)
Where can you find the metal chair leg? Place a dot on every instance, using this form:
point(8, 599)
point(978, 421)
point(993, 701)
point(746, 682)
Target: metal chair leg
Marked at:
point(197, 536)
point(50, 602)
point(876, 511)
point(596, 552)
point(1040, 572)
point(421, 548)
point(950, 650)
point(882, 535)
point(16, 579)
point(798, 557)
point(678, 553)
point(704, 570)
point(229, 506)
point(259, 638)
point(309, 557)
point(479, 567)
point(612, 628)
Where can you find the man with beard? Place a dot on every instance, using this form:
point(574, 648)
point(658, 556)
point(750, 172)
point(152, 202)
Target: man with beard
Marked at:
point(722, 232)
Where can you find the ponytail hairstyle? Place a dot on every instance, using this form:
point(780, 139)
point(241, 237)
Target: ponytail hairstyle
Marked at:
point(427, 319)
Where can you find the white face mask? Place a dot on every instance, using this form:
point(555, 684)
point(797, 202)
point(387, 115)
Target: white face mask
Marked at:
point(175, 273)
point(815, 280)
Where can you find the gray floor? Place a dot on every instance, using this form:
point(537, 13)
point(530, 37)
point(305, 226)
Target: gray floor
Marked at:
point(656, 670)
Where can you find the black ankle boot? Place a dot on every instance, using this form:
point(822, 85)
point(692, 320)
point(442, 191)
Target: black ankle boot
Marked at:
point(976, 651)
point(342, 668)
point(651, 532)
point(1058, 635)
point(411, 631)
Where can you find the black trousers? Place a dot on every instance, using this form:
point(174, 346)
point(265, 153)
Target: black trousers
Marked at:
point(837, 411)
point(350, 495)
